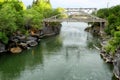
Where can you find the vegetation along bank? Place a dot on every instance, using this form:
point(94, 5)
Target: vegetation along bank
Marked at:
point(22, 28)
point(110, 50)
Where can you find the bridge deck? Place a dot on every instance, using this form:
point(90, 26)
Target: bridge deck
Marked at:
point(74, 20)
point(75, 15)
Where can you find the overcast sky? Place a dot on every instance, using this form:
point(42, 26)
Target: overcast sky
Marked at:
point(80, 3)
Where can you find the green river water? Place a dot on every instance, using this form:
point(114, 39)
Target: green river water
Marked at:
point(68, 56)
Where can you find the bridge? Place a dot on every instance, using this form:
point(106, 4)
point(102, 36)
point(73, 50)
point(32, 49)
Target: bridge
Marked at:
point(78, 15)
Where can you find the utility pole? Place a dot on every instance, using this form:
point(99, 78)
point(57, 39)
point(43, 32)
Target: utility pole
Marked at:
point(107, 5)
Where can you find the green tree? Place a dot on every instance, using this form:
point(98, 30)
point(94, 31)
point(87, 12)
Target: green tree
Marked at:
point(40, 9)
point(11, 17)
point(112, 15)
point(33, 18)
point(7, 20)
point(103, 13)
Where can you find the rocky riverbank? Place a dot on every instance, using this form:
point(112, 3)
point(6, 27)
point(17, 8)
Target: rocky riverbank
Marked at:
point(93, 30)
point(113, 59)
point(19, 42)
point(108, 58)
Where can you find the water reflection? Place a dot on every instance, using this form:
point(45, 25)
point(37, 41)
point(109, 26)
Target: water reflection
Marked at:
point(12, 65)
point(93, 41)
point(68, 56)
point(52, 44)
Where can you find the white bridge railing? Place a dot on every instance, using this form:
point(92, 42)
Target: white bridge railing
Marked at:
point(75, 15)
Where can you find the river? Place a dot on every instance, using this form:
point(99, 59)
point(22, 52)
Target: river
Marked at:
point(68, 56)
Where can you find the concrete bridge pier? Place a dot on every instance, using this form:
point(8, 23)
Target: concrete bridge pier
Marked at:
point(102, 27)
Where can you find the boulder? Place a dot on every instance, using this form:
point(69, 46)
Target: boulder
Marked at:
point(116, 63)
point(18, 38)
point(21, 37)
point(32, 43)
point(35, 34)
point(31, 38)
point(116, 69)
point(88, 29)
point(2, 47)
point(15, 50)
point(47, 30)
point(14, 39)
point(23, 45)
point(107, 57)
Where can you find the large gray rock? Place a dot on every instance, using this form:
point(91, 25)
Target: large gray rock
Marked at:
point(47, 30)
point(32, 43)
point(2, 47)
point(18, 38)
point(29, 41)
point(31, 38)
point(116, 63)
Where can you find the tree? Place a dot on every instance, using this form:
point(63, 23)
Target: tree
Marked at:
point(11, 18)
point(113, 28)
point(113, 16)
point(7, 20)
point(34, 15)
point(33, 18)
point(103, 13)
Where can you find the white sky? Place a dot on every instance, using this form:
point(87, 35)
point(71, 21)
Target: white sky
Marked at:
point(80, 3)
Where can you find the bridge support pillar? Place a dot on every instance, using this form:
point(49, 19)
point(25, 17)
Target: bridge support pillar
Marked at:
point(102, 26)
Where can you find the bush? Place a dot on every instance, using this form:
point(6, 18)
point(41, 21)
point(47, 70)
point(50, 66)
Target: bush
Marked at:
point(117, 34)
point(3, 38)
point(114, 43)
point(110, 49)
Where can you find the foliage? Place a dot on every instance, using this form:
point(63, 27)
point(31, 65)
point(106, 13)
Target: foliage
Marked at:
point(7, 20)
point(40, 9)
point(113, 16)
point(114, 43)
point(103, 13)
point(34, 15)
point(15, 17)
point(11, 17)
point(113, 28)
point(3, 38)
point(33, 18)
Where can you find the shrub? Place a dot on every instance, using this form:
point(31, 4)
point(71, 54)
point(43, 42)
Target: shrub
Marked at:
point(3, 38)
